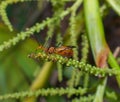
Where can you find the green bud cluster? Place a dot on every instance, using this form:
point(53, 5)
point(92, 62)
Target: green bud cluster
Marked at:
point(45, 92)
point(102, 72)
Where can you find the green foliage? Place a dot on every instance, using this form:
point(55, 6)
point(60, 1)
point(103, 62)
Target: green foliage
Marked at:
point(88, 98)
point(115, 4)
point(3, 13)
point(17, 70)
point(100, 91)
point(75, 63)
point(45, 92)
point(16, 56)
point(85, 48)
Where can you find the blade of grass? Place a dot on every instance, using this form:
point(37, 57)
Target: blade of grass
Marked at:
point(95, 31)
point(97, 40)
point(115, 4)
point(40, 80)
point(113, 63)
point(96, 36)
point(100, 91)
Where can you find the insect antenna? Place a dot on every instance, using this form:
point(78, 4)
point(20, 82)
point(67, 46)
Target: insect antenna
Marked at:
point(47, 42)
point(59, 44)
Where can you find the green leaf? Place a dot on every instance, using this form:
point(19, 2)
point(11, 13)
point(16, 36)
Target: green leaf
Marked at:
point(115, 4)
point(95, 32)
point(100, 91)
point(55, 99)
point(16, 69)
point(113, 63)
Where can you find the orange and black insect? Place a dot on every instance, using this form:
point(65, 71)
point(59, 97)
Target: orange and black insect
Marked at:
point(65, 51)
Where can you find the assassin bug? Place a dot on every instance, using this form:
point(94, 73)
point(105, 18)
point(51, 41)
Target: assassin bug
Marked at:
point(65, 51)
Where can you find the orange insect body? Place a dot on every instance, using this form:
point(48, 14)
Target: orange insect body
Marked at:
point(65, 51)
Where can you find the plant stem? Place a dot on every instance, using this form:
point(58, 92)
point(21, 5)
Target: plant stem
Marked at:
point(40, 80)
point(97, 40)
point(95, 31)
point(113, 63)
point(115, 4)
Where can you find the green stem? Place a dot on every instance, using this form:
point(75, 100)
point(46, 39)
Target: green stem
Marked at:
point(97, 40)
point(113, 63)
point(100, 91)
point(95, 31)
point(40, 80)
point(115, 4)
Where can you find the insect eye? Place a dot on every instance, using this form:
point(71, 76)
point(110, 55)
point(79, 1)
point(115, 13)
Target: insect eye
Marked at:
point(51, 50)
